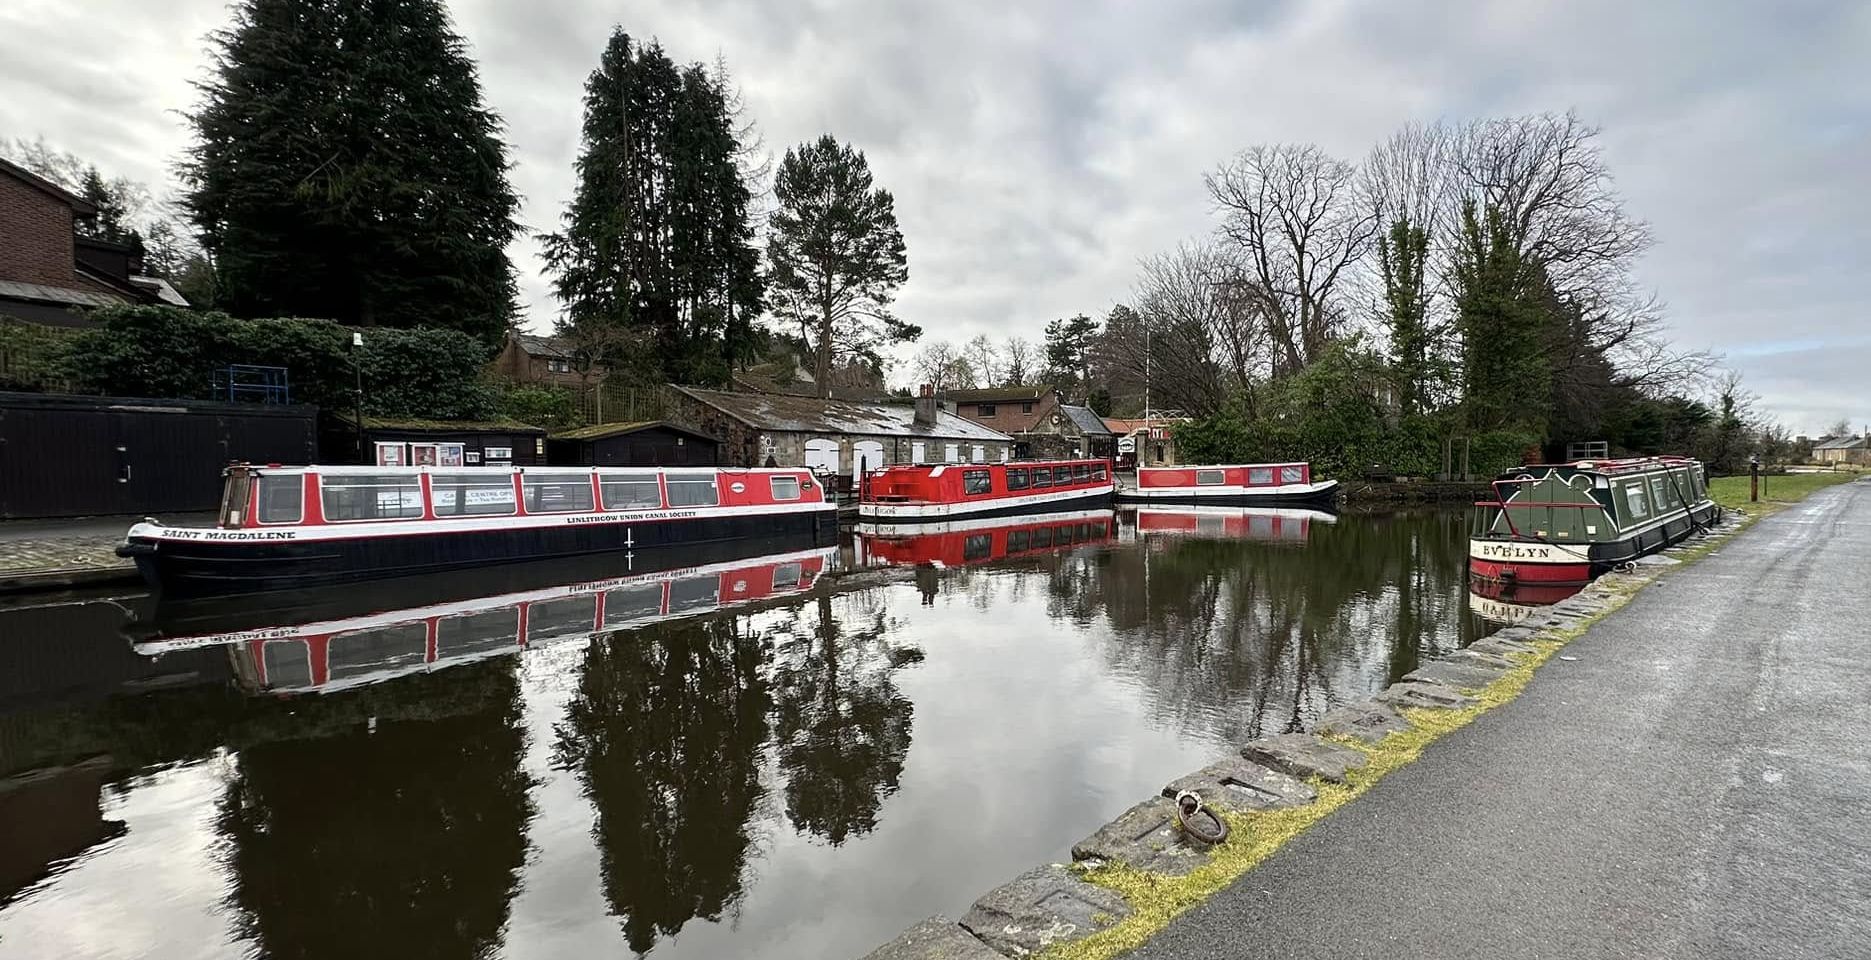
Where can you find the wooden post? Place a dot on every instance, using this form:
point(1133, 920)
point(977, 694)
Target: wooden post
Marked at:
point(1754, 480)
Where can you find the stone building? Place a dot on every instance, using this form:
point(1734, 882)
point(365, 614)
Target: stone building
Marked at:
point(1040, 422)
point(1855, 450)
point(839, 437)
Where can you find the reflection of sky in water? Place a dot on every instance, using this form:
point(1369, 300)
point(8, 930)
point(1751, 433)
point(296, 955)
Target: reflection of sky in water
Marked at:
point(1052, 693)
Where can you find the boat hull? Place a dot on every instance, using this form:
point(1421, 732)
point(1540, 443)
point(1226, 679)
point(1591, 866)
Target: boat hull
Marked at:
point(984, 509)
point(1318, 494)
point(1518, 560)
point(190, 568)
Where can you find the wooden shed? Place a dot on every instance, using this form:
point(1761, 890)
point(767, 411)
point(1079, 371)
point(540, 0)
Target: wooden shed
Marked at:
point(438, 443)
point(653, 443)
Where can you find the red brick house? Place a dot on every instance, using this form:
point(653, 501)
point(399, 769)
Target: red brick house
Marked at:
point(48, 273)
point(528, 358)
point(1041, 423)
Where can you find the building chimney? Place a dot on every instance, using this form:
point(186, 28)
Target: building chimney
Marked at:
point(926, 406)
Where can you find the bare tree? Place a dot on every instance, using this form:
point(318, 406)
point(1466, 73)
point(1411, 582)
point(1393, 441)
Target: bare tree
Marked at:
point(1198, 322)
point(1295, 215)
point(1842, 427)
point(943, 366)
point(985, 360)
point(1022, 361)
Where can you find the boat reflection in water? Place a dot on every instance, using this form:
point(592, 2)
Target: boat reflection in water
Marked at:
point(1272, 524)
point(1510, 603)
point(339, 644)
point(967, 542)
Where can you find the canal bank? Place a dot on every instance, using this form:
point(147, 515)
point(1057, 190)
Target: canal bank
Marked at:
point(1549, 827)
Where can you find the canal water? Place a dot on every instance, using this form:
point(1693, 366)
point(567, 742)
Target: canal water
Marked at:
point(767, 751)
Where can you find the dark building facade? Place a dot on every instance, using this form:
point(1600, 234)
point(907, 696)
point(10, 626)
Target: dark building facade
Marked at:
point(435, 443)
point(655, 443)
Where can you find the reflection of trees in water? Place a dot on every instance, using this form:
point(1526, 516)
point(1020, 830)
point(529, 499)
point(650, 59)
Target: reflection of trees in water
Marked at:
point(665, 732)
point(402, 841)
point(1248, 638)
point(843, 728)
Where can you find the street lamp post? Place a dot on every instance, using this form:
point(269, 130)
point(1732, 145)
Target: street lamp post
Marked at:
point(357, 369)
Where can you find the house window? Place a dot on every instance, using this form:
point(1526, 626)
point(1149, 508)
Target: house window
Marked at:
point(1026, 407)
point(371, 496)
point(1260, 476)
point(985, 410)
point(1292, 474)
point(557, 492)
point(282, 499)
point(471, 494)
point(692, 492)
point(559, 366)
point(1210, 478)
point(1016, 478)
point(951, 453)
point(785, 488)
point(974, 483)
point(980, 454)
point(630, 491)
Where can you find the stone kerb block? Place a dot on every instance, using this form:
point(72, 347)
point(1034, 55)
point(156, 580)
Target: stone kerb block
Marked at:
point(1145, 837)
point(1366, 721)
point(1041, 907)
point(1236, 784)
point(1304, 755)
point(937, 938)
point(1455, 674)
point(1412, 694)
point(1497, 647)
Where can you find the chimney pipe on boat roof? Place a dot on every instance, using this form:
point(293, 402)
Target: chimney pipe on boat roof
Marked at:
point(926, 406)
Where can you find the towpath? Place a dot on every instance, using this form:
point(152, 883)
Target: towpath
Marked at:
point(1696, 783)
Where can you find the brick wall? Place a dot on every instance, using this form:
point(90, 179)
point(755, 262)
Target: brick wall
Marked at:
point(35, 236)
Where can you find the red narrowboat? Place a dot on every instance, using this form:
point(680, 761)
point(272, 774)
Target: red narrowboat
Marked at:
point(960, 543)
point(289, 527)
point(1238, 485)
point(952, 491)
point(351, 651)
point(1272, 524)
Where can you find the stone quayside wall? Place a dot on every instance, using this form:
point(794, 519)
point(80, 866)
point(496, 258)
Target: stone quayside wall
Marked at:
point(1054, 904)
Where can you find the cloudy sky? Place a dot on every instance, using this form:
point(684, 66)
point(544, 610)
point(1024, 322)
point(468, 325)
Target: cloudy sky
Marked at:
point(1037, 150)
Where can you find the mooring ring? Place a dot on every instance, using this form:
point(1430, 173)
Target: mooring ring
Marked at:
point(1189, 813)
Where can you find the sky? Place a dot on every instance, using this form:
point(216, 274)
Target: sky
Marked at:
point(1038, 150)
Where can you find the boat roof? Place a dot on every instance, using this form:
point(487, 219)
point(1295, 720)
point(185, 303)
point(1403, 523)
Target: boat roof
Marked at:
point(1626, 465)
point(352, 469)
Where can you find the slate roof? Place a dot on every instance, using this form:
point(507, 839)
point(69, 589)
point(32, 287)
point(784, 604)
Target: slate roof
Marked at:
point(599, 431)
point(1841, 443)
point(500, 425)
point(41, 293)
point(1086, 419)
point(998, 394)
point(789, 414)
point(538, 346)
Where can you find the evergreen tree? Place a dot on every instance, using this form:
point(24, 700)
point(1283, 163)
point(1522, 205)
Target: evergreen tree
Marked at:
point(113, 209)
point(1401, 255)
point(837, 256)
point(345, 166)
point(657, 246)
point(1068, 349)
point(1499, 294)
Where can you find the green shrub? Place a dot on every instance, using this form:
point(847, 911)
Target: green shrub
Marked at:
point(554, 408)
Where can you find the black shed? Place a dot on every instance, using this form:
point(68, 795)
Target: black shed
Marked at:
point(435, 443)
point(653, 443)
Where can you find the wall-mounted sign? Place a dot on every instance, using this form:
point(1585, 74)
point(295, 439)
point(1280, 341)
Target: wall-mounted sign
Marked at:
point(497, 453)
point(1127, 445)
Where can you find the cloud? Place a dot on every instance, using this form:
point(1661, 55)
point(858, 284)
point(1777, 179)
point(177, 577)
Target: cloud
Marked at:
point(1036, 151)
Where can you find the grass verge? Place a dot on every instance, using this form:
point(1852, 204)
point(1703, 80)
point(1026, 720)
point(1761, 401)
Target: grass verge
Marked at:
point(1779, 489)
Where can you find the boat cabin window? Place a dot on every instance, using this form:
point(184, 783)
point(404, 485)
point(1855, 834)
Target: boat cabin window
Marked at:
point(1042, 477)
point(978, 546)
point(1292, 474)
point(974, 483)
point(785, 488)
point(556, 492)
point(1098, 474)
point(282, 499)
point(1210, 478)
point(1017, 478)
point(1081, 473)
point(631, 491)
point(472, 494)
point(1016, 541)
point(1661, 494)
point(371, 496)
point(1260, 476)
point(787, 576)
point(1635, 499)
point(692, 492)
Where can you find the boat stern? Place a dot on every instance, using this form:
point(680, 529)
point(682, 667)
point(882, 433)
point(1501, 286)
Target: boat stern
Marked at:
point(1513, 560)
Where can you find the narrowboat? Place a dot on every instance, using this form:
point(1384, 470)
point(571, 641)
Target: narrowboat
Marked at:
point(1208, 522)
point(1237, 484)
point(1567, 523)
point(327, 655)
point(952, 491)
point(960, 543)
point(288, 527)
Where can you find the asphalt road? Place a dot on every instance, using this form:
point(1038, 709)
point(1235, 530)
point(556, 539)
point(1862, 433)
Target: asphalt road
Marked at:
point(1696, 784)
